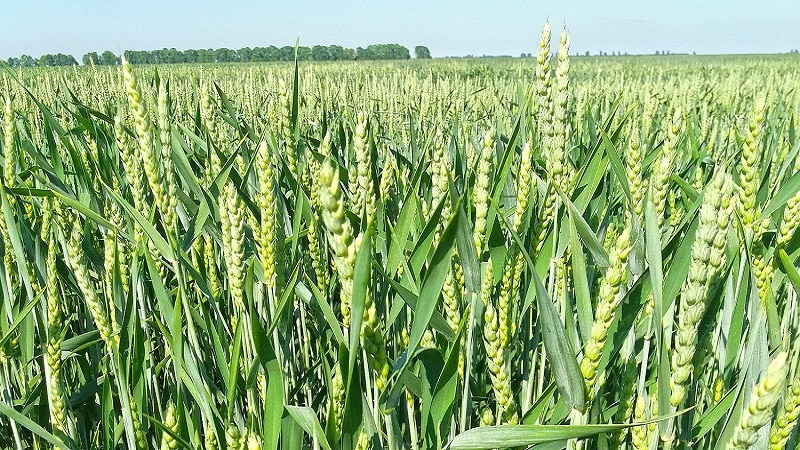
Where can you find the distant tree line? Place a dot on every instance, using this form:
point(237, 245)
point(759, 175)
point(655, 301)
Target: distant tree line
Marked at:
point(59, 59)
point(223, 55)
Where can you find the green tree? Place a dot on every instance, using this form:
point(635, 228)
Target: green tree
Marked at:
point(383, 51)
point(304, 53)
point(287, 53)
point(320, 53)
point(422, 52)
point(205, 55)
point(190, 56)
point(91, 58)
point(335, 53)
point(107, 58)
point(225, 55)
point(173, 56)
point(245, 54)
point(27, 61)
point(47, 60)
point(272, 53)
point(65, 60)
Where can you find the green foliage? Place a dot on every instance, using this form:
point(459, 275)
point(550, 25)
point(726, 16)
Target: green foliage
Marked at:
point(398, 255)
point(422, 52)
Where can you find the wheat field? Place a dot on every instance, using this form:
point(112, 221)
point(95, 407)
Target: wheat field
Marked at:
point(544, 253)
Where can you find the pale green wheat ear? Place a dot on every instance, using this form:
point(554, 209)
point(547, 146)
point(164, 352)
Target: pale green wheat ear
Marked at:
point(544, 79)
point(633, 171)
point(10, 155)
point(791, 214)
point(96, 306)
point(750, 180)
point(707, 260)
point(558, 161)
point(362, 189)
point(763, 398)
point(151, 161)
point(269, 212)
point(339, 230)
point(480, 194)
point(607, 304)
point(662, 169)
point(786, 421)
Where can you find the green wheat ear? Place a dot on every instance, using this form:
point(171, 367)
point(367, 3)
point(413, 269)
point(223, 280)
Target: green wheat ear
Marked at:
point(707, 260)
point(339, 230)
point(763, 398)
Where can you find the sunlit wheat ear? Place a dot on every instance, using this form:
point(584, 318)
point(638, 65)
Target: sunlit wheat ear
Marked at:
point(786, 421)
point(496, 355)
point(96, 306)
point(633, 172)
point(707, 260)
point(9, 175)
point(374, 345)
point(439, 183)
point(210, 441)
point(171, 423)
point(269, 212)
point(387, 179)
point(286, 127)
point(559, 165)
point(316, 246)
point(524, 176)
point(763, 398)
point(450, 298)
point(524, 186)
point(55, 314)
point(544, 82)
point(498, 369)
point(641, 435)
point(764, 271)
point(168, 180)
point(791, 215)
point(339, 232)
point(363, 191)
point(10, 155)
point(607, 304)
point(134, 174)
point(662, 169)
point(151, 161)
point(232, 217)
point(481, 194)
point(233, 437)
point(139, 431)
point(749, 180)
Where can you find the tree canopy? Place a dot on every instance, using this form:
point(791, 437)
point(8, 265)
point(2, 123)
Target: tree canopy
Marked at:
point(422, 52)
point(383, 51)
point(224, 55)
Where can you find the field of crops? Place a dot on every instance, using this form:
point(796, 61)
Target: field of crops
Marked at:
point(543, 252)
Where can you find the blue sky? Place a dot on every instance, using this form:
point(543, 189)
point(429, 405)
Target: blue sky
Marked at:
point(448, 28)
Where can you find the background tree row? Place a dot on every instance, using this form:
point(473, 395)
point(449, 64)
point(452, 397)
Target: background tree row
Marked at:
point(223, 55)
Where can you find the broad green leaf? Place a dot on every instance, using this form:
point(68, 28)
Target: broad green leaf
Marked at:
point(508, 436)
point(34, 427)
point(307, 419)
point(559, 352)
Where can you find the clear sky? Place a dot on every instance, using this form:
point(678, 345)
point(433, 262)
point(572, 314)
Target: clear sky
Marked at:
point(448, 28)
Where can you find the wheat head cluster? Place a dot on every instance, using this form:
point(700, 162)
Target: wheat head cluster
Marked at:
point(546, 253)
